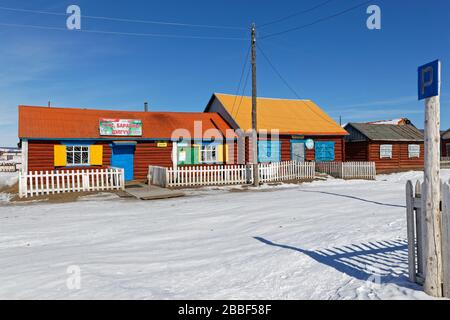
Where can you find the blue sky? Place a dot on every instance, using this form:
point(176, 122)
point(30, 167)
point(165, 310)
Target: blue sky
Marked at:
point(350, 71)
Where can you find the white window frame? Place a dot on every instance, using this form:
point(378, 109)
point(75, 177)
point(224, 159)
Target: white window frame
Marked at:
point(209, 153)
point(383, 153)
point(412, 154)
point(85, 154)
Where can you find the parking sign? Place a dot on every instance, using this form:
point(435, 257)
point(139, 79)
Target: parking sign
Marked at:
point(429, 80)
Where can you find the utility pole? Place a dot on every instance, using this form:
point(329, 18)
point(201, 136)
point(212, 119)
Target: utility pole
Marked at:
point(254, 109)
point(429, 89)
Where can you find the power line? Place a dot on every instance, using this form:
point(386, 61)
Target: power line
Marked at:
point(290, 87)
point(296, 14)
point(317, 21)
point(156, 35)
point(278, 73)
point(241, 78)
point(243, 91)
point(128, 20)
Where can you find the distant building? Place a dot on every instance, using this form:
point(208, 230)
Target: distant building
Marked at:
point(446, 143)
point(400, 121)
point(392, 147)
point(10, 155)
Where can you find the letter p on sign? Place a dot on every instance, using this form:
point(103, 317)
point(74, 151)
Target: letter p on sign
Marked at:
point(429, 80)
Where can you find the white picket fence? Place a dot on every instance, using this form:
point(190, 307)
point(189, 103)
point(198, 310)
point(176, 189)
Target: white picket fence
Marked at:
point(36, 183)
point(9, 166)
point(200, 175)
point(229, 174)
point(417, 234)
point(286, 170)
point(348, 170)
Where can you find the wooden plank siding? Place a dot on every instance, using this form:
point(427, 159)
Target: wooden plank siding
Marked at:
point(444, 152)
point(357, 151)
point(400, 160)
point(370, 151)
point(146, 154)
point(41, 157)
point(285, 144)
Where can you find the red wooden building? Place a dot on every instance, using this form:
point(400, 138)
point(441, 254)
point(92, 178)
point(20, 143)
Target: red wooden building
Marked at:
point(391, 147)
point(446, 144)
point(306, 132)
point(67, 139)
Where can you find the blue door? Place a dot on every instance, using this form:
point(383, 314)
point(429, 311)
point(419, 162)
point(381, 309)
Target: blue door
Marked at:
point(123, 157)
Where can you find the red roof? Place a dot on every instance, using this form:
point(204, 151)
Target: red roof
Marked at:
point(68, 123)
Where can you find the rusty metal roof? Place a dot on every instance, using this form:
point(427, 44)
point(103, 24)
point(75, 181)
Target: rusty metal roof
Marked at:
point(71, 123)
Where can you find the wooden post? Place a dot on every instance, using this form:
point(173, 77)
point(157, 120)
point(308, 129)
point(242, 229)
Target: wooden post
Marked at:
point(420, 234)
point(24, 155)
point(254, 111)
point(446, 238)
point(432, 194)
point(410, 231)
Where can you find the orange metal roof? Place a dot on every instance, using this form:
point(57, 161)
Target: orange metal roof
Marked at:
point(288, 116)
point(68, 123)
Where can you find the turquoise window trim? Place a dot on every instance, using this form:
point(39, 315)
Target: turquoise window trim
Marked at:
point(80, 143)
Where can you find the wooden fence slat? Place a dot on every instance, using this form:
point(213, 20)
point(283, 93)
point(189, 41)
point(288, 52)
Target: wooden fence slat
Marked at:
point(410, 231)
point(51, 182)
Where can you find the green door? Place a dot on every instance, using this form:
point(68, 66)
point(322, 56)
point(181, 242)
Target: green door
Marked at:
point(188, 155)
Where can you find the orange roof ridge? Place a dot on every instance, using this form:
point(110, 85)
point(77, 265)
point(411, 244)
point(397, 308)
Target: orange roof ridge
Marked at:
point(114, 110)
point(265, 98)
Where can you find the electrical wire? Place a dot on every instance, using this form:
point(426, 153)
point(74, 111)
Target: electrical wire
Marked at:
point(243, 92)
point(290, 87)
point(316, 21)
point(127, 20)
point(296, 14)
point(241, 78)
point(156, 35)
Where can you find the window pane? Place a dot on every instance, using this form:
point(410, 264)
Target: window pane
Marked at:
point(69, 148)
point(77, 158)
point(84, 158)
point(69, 157)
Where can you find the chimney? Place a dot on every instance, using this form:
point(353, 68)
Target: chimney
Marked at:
point(146, 106)
point(49, 104)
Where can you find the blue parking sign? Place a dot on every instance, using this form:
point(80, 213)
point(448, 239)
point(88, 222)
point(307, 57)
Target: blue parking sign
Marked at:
point(429, 80)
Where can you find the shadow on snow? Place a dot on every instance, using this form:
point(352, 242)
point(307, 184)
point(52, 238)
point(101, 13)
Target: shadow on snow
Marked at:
point(355, 198)
point(387, 260)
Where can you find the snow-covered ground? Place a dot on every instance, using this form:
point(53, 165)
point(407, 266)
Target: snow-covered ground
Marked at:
point(8, 179)
point(320, 240)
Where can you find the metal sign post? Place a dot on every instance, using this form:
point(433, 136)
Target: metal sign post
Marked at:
point(429, 89)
